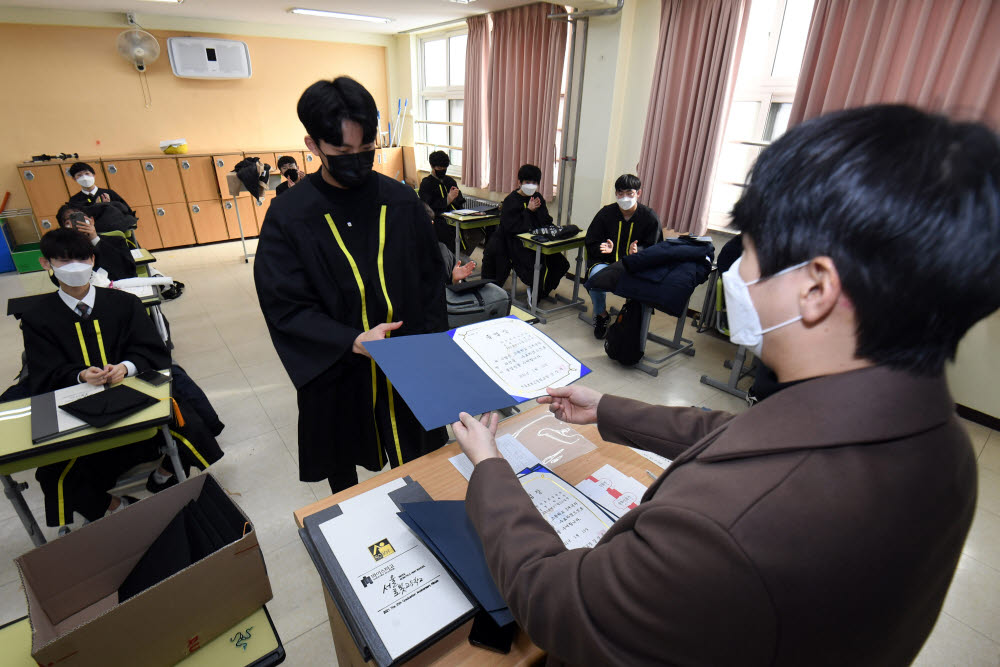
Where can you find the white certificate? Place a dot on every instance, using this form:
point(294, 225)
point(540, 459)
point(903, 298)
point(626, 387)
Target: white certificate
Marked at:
point(574, 516)
point(519, 358)
point(405, 590)
point(516, 454)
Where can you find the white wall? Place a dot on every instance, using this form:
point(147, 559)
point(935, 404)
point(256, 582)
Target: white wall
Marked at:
point(975, 375)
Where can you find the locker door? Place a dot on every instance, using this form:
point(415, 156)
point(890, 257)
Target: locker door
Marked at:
point(261, 209)
point(198, 177)
point(147, 233)
point(125, 177)
point(46, 190)
point(208, 221)
point(174, 224)
point(223, 165)
point(246, 207)
point(163, 179)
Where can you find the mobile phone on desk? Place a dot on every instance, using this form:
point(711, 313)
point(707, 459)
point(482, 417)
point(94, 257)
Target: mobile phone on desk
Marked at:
point(154, 378)
point(487, 634)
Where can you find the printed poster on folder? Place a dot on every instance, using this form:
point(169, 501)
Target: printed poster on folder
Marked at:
point(476, 368)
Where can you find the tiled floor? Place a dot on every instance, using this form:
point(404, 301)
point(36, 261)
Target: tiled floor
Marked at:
point(223, 343)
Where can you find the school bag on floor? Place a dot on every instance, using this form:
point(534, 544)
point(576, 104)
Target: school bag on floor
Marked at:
point(623, 341)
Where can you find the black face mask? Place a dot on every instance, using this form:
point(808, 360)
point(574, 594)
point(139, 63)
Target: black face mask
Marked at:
point(292, 174)
point(351, 170)
point(440, 172)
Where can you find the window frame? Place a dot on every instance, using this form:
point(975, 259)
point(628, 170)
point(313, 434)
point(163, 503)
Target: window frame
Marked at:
point(447, 93)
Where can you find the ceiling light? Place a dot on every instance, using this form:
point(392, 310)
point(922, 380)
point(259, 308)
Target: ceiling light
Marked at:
point(339, 15)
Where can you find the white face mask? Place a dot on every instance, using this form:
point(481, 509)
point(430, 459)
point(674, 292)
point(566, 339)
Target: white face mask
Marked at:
point(74, 274)
point(744, 322)
point(626, 203)
point(529, 188)
point(86, 182)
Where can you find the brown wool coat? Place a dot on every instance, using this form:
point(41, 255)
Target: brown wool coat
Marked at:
point(822, 526)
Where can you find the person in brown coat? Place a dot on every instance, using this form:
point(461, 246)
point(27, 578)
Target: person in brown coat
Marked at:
point(822, 526)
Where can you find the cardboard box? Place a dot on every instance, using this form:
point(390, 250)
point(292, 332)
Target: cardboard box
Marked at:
point(72, 589)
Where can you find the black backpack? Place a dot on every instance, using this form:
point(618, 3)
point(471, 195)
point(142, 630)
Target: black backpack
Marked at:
point(623, 342)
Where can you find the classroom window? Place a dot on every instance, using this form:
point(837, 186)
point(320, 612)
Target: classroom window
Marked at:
point(762, 99)
point(442, 97)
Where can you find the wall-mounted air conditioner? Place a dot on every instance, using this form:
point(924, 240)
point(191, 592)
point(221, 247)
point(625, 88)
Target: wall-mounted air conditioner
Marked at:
point(209, 58)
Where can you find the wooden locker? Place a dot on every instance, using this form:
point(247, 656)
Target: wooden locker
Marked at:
point(163, 180)
point(125, 177)
point(147, 233)
point(174, 224)
point(310, 162)
point(46, 189)
point(223, 165)
point(261, 209)
point(246, 207)
point(46, 223)
point(208, 221)
point(198, 177)
point(71, 184)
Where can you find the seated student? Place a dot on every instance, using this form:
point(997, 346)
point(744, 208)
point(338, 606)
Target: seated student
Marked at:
point(89, 193)
point(83, 333)
point(440, 191)
point(823, 525)
point(454, 270)
point(289, 168)
point(111, 253)
point(523, 211)
point(618, 229)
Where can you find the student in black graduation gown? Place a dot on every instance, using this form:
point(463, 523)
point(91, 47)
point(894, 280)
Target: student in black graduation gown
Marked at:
point(289, 169)
point(618, 229)
point(83, 333)
point(440, 191)
point(347, 256)
point(89, 193)
point(111, 253)
point(524, 210)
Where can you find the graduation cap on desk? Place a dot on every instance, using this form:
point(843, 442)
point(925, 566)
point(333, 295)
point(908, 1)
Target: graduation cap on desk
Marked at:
point(106, 407)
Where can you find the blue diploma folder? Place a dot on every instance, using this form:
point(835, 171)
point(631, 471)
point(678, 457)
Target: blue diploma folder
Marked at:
point(438, 380)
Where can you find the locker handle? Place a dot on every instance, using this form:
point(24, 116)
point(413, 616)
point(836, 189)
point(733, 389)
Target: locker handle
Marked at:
point(112, 169)
point(229, 205)
point(260, 203)
point(149, 166)
point(195, 208)
point(220, 163)
point(185, 164)
point(309, 157)
point(46, 224)
point(29, 175)
point(160, 211)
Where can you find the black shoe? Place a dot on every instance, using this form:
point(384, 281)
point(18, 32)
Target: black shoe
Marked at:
point(155, 487)
point(601, 326)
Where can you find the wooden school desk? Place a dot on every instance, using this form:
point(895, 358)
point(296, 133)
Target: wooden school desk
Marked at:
point(17, 453)
point(443, 482)
point(551, 248)
point(253, 642)
point(470, 221)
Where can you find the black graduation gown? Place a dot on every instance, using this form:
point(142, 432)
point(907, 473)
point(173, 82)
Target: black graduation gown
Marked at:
point(609, 223)
point(113, 255)
point(282, 187)
point(105, 195)
point(517, 219)
point(330, 264)
point(434, 193)
point(55, 357)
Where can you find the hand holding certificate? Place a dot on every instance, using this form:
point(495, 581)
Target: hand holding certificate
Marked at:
point(476, 368)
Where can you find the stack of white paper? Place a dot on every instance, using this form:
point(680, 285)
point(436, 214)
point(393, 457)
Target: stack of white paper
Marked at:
point(613, 490)
point(517, 456)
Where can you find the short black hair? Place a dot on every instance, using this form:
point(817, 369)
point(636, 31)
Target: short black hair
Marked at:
point(65, 243)
point(906, 203)
point(65, 210)
point(286, 159)
point(529, 172)
point(439, 159)
point(627, 182)
point(326, 104)
point(78, 167)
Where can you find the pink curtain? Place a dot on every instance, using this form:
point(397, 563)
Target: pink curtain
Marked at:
point(942, 55)
point(696, 64)
point(475, 117)
point(525, 74)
